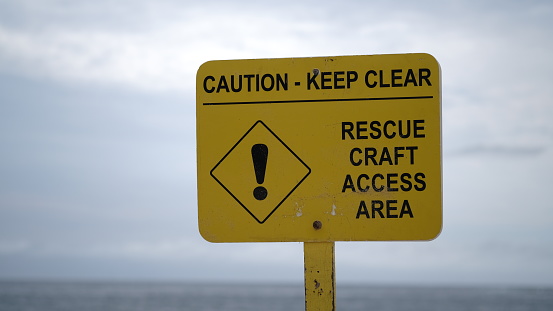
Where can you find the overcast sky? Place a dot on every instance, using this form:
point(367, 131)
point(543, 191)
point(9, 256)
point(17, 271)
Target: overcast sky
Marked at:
point(97, 136)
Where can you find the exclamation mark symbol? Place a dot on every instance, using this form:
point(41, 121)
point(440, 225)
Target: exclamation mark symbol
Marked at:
point(260, 153)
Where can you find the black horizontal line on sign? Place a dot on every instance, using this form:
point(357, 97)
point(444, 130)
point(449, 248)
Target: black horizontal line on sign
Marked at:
point(315, 100)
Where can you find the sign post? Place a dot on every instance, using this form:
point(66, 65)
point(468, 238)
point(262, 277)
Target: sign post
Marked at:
point(319, 150)
point(320, 281)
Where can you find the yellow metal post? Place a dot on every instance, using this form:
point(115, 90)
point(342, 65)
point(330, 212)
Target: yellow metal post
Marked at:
point(320, 294)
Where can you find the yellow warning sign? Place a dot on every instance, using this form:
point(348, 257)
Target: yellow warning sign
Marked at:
point(320, 149)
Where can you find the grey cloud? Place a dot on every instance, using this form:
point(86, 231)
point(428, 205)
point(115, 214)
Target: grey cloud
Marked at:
point(499, 150)
point(98, 170)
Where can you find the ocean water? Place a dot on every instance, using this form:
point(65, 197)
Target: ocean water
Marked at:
point(142, 296)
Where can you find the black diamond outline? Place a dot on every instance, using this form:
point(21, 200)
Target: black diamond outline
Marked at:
point(233, 147)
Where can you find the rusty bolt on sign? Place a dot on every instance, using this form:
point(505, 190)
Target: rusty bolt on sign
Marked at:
point(317, 225)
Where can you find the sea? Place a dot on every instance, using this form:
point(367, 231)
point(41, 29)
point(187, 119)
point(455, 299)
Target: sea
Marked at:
point(169, 296)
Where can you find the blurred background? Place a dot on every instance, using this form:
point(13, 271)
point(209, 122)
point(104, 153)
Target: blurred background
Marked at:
point(97, 136)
